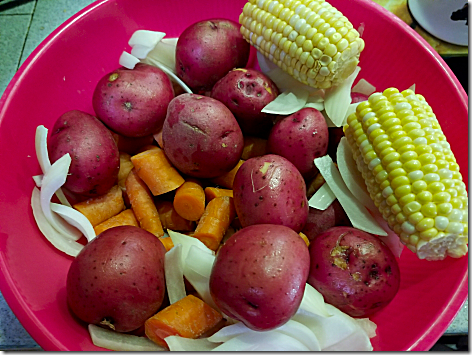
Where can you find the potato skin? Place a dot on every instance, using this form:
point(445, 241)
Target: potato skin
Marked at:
point(95, 158)
point(319, 221)
point(354, 271)
point(118, 276)
point(245, 92)
point(259, 275)
point(201, 137)
point(300, 137)
point(133, 102)
point(207, 50)
point(270, 189)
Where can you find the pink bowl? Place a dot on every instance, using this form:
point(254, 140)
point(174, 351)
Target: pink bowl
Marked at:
point(61, 74)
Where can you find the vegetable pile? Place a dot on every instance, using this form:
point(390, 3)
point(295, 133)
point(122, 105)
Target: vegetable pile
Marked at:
point(223, 207)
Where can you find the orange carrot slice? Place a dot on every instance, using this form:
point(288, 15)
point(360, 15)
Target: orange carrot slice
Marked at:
point(125, 218)
point(218, 215)
point(156, 171)
point(99, 209)
point(189, 317)
point(143, 205)
point(189, 200)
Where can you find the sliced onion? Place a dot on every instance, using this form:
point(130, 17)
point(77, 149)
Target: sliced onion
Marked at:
point(316, 102)
point(229, 332)
point(169, 72)
point(337, 99)
point(351, 109)
point(197, 270)
point(143, 41)
point(287, 102)
point(369, 327)
point(322, 198)
point(127, 60)
point(262, 341)
point(363, 87)
point(52, 181)
point(76, 219)
point(42, 155)
point(178, 343)
point(111, 340)
point(163, 52)
point(42, 148)
point(174, 273)
point(412, 88)
point(351, 175)
point(301, 333)
point(38, 179)
point(187, 242)
point(312, 303)
point(357, 213)
point(59, 241)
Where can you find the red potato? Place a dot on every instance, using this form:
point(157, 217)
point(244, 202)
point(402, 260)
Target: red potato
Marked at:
point(207, 50)
point(300, 137)
point(245, 92)
point(95, 158)
point(259, 275)
point(319, 221)
point(133, 102)
point(201, 137)
point(117, 280)
point(270, 189)
point(353, 270)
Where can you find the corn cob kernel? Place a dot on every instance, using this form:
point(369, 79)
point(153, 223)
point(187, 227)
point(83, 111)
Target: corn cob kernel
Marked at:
point(309, 34)
point(416, 173)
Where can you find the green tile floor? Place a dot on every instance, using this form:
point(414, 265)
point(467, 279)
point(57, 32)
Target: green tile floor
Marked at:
point(23, 25)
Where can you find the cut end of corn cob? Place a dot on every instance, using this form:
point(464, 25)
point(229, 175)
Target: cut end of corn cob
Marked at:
point(410, 172)
point(309, 39)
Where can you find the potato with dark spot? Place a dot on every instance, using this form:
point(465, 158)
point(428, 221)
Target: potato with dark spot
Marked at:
point(270, 189)
point(300, 137)
point(353, 270)
point(133, 102)
point(207, 50)
point(117, 281)
point(201, 137)
point(246, 92)
point(94, 153)
point(259, 275)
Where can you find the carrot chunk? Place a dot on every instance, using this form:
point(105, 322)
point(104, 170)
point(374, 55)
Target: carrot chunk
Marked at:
point(156, 171)
point(189, 317)
point(226, 180)
point(125, 167)
point(170, 219)
point(218, 215)
point(99, 209)
point(167, 242)
point(212, 192)
point(189, 200)
point(143, 205)
point(125, 218)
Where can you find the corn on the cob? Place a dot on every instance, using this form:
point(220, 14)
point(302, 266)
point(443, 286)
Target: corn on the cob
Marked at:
point(309, 39)
point(411, 172)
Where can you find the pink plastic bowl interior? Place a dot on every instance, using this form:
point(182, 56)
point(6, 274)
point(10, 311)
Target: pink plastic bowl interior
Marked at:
point(61, 74)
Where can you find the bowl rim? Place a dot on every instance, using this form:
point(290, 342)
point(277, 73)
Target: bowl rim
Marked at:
point(46, 340)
